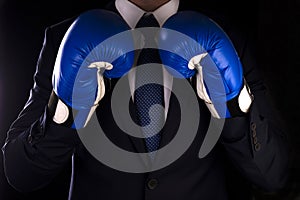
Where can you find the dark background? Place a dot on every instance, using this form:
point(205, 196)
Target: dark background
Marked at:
point(273, 24)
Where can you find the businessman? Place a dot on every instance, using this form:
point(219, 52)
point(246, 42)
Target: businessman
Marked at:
point(44, 137)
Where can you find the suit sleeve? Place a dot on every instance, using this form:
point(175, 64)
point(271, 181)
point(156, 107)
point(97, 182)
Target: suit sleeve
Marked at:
point(36, 148)
point(257, 143)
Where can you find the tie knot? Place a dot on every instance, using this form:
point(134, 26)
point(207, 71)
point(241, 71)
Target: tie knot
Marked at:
point(147, 20)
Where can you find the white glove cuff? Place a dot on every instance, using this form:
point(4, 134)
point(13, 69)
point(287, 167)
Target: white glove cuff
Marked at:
point(245, 98)
point(61, 112)
point(65, 115)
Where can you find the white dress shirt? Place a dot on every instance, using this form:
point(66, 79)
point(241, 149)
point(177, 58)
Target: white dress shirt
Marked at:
point(132, 14)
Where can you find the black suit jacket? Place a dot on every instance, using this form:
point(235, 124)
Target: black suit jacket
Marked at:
point(253, 145)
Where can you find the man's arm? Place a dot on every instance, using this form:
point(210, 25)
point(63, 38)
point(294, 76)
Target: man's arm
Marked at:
point(218, 56)
point(36, 148)
point(257, 143)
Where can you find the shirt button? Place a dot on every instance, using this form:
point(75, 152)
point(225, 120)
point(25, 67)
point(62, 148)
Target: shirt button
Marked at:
point(152, 183)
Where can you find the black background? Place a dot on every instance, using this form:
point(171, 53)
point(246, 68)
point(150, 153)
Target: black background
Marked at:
point(274, 25)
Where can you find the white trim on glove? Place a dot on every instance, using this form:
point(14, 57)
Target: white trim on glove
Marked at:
point(201, 89)
point(101, 86)
point(62, 112)
point(245, 97)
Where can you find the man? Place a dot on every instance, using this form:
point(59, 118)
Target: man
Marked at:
point(255, 143)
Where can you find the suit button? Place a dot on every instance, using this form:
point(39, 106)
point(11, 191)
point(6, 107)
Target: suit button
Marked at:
point(29, 138)
point(254, 134)
point(255, 141)
point(253, 126)
point(152, 183)
point(41, 128)
point(257, 147)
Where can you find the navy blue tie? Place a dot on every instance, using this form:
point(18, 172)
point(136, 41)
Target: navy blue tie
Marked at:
point(149, 94)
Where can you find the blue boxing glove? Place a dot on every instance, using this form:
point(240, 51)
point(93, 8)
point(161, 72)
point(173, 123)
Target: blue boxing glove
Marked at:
point(96, 45)
point(191, 44)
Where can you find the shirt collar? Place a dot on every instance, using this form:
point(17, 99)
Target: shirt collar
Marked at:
point(132, 13)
